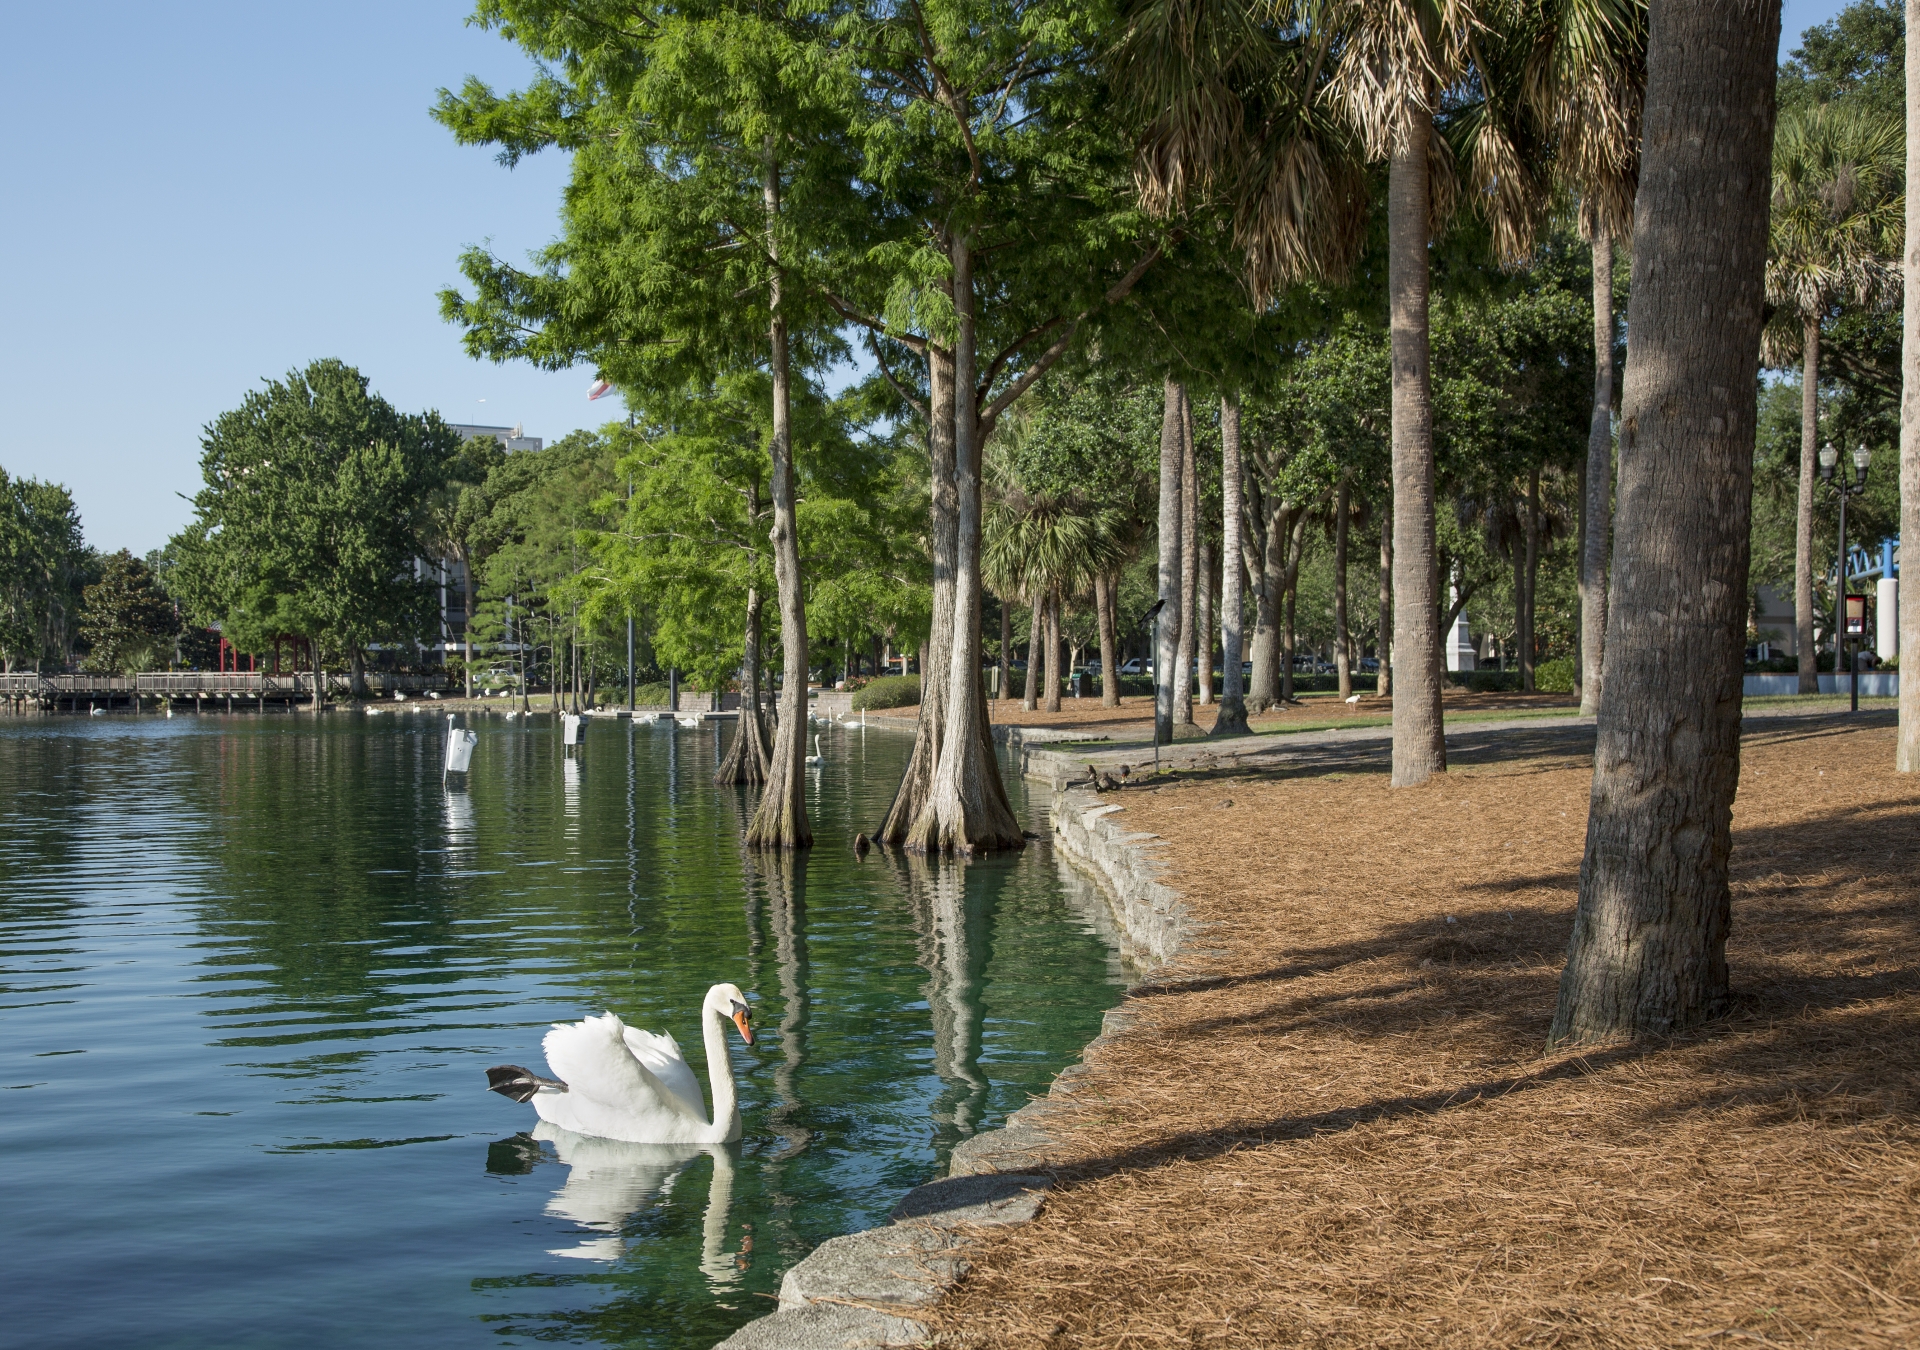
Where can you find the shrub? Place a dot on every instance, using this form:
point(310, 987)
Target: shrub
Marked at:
point(888, 691)
point(650, 696)
point(1555, 676)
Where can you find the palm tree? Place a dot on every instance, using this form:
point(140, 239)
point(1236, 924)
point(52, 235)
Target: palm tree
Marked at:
point(1834, 239)
point(1591, 80)
point(1648, 950)
point(1906, 756)
point(1047, 548)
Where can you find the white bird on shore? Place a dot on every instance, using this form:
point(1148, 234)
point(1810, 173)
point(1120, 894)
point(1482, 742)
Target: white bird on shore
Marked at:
point(1354, 699)
point(619, 1082)
point(816, 757)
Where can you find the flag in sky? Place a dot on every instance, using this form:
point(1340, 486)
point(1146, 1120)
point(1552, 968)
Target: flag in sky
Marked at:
point(601, 388)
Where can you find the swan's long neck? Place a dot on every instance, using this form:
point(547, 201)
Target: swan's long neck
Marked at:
point(719, 1069)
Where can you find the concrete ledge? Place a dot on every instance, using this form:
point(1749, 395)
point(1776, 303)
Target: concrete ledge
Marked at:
point(826, 1326)
point(862, 1290)
point(1152, 916)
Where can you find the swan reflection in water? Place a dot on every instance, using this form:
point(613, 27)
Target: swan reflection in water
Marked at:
point(609, 1181)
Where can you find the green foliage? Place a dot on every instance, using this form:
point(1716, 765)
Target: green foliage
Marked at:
point(1858, 56)
point(535, 523)
point(312, 512)
point(889, 691)
point(43, 566)
point(126, 620)
point(1556, 676)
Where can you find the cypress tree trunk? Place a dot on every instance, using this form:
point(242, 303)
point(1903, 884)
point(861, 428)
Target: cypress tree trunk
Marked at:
point(1190, 620)
point(466, 610)
point(1269, 582)
point(1232, 719)
point(1166, 630)
point(1803, 509)
point(1906, 758)
point(1109, 642)
point(780, 819)
point(747, 758)
point(1342, 508)
point(1419, 741)
point(1648, 952)
point(916, 784)
point(1597, 506)
point(968, 810)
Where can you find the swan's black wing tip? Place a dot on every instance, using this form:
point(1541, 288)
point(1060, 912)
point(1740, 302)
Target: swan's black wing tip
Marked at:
point(510, 1080)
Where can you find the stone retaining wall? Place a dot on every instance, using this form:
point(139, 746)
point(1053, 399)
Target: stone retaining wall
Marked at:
point(869, 1289)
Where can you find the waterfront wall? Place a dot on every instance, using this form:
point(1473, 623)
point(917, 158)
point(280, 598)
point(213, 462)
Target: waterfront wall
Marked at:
point(873, 1288)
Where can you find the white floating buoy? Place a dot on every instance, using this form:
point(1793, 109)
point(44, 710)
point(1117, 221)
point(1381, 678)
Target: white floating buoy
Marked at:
point(459, 748)
point(570, 729)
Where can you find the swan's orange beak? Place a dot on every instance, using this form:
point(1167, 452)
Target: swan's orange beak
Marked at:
point(740, 1020)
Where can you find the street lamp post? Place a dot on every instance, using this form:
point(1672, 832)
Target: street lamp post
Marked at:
point(1829, 461)
point(1153, 612)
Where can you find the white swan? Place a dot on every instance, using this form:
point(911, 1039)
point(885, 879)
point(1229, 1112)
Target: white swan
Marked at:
point(607, 1182)
point(816, 757)
point(619, 1082)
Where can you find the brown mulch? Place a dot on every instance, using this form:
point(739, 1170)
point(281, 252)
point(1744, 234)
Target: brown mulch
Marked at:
point(1340, 1128)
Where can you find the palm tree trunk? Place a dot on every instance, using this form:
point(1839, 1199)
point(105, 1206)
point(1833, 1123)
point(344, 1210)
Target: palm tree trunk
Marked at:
point(1166, 631)
point(1006, 641)
point(1419, 742)
point(1906, 758)
point(916, 784)
point(1261, 689)
point(1648, 951)
point(1182, 668)
point(968, 810)
point(1036, 622)
point(1342, 508)
point(1597, 504)
point(1803, 512)
point(780, 818)
point(1383, 681)
point(1232, 718)
point(1535, 528)
point(1203, 606)
point(1109, 642)
point(1053, 652)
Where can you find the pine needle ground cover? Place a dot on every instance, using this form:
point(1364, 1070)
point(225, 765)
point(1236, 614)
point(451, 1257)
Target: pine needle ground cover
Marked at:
point(1338, 1126)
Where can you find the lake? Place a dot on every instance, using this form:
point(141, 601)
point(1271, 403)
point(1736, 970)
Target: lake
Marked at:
point(254, 969)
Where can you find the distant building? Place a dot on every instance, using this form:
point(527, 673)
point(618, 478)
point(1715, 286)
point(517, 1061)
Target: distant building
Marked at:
point(1774, 632)
point(449, 574)
point(509, 437)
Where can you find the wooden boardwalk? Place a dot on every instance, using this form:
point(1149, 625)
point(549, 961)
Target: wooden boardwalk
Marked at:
point(22, 691)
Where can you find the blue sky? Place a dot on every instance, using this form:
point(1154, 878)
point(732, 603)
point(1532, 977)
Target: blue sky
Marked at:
point(200, 195)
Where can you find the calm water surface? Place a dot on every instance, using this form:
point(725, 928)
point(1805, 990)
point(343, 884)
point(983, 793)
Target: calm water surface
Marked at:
point(251, 971)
